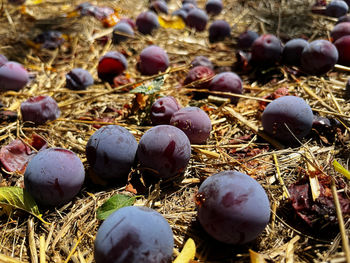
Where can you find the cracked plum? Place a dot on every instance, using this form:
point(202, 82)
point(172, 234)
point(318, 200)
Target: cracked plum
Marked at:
point(163, 109)
point(78, 79)
point(111, 65)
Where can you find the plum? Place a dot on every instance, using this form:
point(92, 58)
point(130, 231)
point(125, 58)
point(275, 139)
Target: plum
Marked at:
point(336, 8)
point(266, 50)
point(345, 18)
point(13, 76)
point(340, 30)
point(146, 22)
point(163, 109)
point(292, 50)
point(319, 57)
point(54, 176)
point(213, 7)
point(199, 73)
point(194, 122)
point(181, 13)
point(233, 208)
point(3, 60)
point(227, 82)
point(40, 109)
point(50, 39)
point(153, 59)
point(197, 19)
point(164, 151)
point(134, 234)
point(120, 31)
point(111, 65)
point(187, 7)
point(343, 47)
point(246, 39)
point(78, 79)
point(159, 6)
point(111, 152)
point(286, 116)
point(202, 61)
point(219, 30)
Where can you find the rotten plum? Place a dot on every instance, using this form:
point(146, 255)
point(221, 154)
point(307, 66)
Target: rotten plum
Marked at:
point(164, 151)
point(286, 117)
point(111, 152)
point(136, 235)
point(40, 109)
point(153, 59)
point(54, 176)
point(234, 207)
point(111, 65)
point(199, 73)
point(319, 57)
point(194, 122)
point(163, 109)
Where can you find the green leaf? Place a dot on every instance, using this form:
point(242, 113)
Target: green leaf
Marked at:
point(113, 204)
point(150, 87)
point(13, 197)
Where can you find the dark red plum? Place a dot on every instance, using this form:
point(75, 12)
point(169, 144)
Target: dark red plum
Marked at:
point(266, 50)
point(111, 152)
point(121, 31)
point(197, 19)
point(3, 60)
point(246, 39)
point(111, 65)
point(336, 8)
point(213, 7)
point(164, 151)
point(227, 82)
point(153, 59)
point(287, 111)
point(146, 22)
point(134, 234)
point(13, 76)
point(40, 109)
point(202, 61)
point(163, 109)
point(78, 79)
point(194, 122)
point(159, 6)
point(219, 30)
point(292, 50)
point(54, 176)
point(199, 73)
point(319, 57)
point(340, 30)
point(343, 47)
point(233, 208)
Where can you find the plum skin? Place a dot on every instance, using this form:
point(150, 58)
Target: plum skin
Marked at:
point(146, 22)
point(292, 50)
point(266, 50)
point(194, 122)
point(153, 59)
point(163, 109)
point(246, 39)
point(343, 47)
point(135, 235)
point(122, 27)
point(219, 30)
point(336, 8)
point(78, 79)
point(213, 7)
point(291, 111)
point(40, 109)
point(319, 57)
point(164, 151)
point(54, 176)
point(340, 30)
point(227, 82)
point(197, 19)
point(13, 76)
point(234, 208)
point(111, 152)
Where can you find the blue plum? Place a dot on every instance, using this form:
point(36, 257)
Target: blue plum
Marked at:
point(246, 39)
point(197, 19)
point(336, 8)
point(111, 152)
point(54, 176)
point(232, 207)
point(292, 50)
point(214, 7)
point(134, 235)
point(147, 22)
point(164, 151)
point(219, 30)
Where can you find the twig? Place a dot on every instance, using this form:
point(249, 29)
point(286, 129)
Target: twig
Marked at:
point(32, 246)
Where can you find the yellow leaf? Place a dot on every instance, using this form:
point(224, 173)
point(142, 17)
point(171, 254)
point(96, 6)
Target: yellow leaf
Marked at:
point(13, 197)
point(175, 22)
point(188, 252)
point(340, 169)
point(33, 2)
point(256, 257)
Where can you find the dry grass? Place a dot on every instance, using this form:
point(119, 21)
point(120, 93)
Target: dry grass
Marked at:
point(70, 236)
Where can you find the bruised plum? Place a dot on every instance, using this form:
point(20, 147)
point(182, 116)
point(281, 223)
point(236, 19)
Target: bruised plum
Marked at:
point(163, 109)
point(134, 234)
point(164, 151)
point(233, 208)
